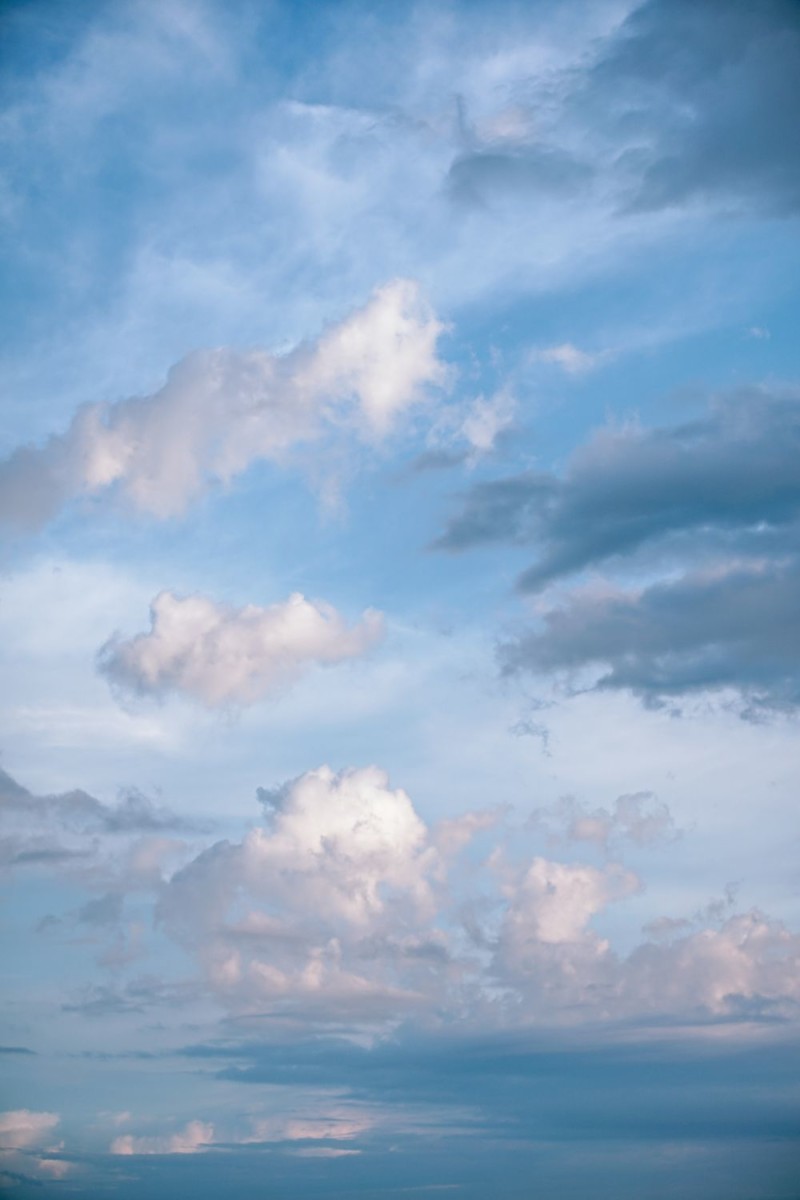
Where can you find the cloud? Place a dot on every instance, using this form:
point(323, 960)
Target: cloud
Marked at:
point(712, 89)
point(345, 910)
point(222, 410)
point(22, 1129)
point(78, 812)
point(199, 1136)
point(638, 817)
point(220, 655)
point(486, 177)
point(570, 358)
point(730, 471)
point(707, 631)
point(314, 910)
point(195, 1138)
point(724, 486)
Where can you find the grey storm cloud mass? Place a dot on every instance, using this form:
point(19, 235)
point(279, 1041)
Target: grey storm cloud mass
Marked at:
point(732, 470)
point(739, 630)
point(695, 101)
point(723, 489)
point(713, 89)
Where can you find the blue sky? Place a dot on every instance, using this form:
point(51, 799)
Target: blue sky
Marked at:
point(399, 503)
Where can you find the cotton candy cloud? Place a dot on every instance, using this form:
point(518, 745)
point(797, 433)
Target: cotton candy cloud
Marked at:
point(21, 1129)
point(222, 410)
point(345, 906)
point(220, 655)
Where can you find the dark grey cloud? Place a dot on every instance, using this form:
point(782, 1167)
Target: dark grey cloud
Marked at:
point(739, 630)
point(596, 1113)
point(734, 470)
point(719, 498)
point(706, 94)
point(483, 177)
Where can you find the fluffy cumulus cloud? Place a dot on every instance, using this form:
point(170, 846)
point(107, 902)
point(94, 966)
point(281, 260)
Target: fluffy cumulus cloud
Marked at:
point(21, 1129)
point(345, 907)
point(314, 907)
point(222, 410)
point(26, 1149)
point(221, 655)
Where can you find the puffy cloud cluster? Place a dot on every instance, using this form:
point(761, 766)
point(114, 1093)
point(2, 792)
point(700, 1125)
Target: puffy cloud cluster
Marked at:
point(21, 1129)
point(221, 655)
point(346, 907)
point(24, 1150)
point(222, 410)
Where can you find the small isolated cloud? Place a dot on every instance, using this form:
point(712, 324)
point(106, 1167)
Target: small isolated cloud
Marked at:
point(222, 410)
point(195, 1138)
point(220, 655)
point(571, 359)
point(639, 817)
point(22, 1129)
point(486, 419)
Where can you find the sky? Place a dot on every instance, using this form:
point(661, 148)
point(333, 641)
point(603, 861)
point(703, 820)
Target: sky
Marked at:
point(400, 599)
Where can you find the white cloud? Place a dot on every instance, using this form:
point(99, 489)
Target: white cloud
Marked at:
point(21, 1128)
point(198, 1136)
point(570, 358)
point(350, 835)
point(638, 817)
point(195, 1138)
point(486, 419)
point(327, 906)
point(553, 902)
point(220, 655)
point(222, 410)
point(55, 1168)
